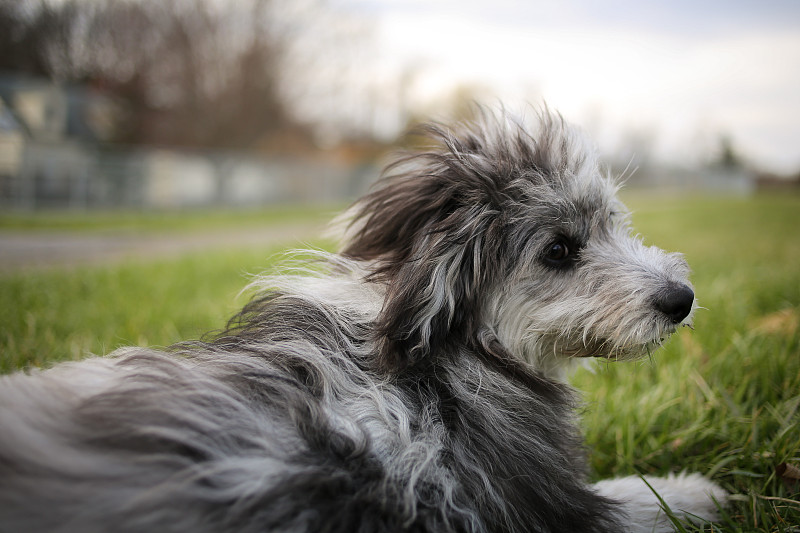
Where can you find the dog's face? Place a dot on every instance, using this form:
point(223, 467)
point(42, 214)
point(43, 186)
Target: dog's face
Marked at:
point(586, 286)
point(510, 231)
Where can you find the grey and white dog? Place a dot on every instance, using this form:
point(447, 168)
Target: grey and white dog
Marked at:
point(412, 382)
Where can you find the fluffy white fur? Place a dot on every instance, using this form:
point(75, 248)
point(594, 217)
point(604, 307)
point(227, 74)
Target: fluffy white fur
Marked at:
point(689, 497)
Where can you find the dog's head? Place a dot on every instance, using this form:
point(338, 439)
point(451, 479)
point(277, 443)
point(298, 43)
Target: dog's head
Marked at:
point(510, 232)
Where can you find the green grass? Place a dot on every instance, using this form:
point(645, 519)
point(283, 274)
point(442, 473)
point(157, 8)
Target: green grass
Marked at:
point(55, 315)
point(722, 399)
point(142, 220)
point(65, 314)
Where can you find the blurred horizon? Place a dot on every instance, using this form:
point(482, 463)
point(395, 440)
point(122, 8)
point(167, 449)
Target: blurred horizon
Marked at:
point(95, 93)
point(681, 75)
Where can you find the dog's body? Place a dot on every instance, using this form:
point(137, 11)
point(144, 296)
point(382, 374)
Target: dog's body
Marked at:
point(414, 384)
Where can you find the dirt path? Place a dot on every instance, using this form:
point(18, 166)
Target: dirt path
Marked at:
point(23, 250)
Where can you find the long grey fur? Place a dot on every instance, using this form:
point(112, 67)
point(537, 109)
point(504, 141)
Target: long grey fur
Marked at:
point(411, 382)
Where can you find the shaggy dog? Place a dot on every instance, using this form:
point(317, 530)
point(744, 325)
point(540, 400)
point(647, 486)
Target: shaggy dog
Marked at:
point(412, 382)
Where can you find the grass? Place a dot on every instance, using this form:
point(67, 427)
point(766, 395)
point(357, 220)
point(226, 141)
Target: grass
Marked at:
point(137, 221)
point(722, 399)
point(65, 314)
point(61, 314)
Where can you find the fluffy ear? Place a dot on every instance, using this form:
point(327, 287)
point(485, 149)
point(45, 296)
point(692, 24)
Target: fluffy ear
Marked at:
point(431, 300)
point(432, 230)
point(430, 246)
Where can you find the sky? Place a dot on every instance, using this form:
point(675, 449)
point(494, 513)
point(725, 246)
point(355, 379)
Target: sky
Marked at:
point(675, 75)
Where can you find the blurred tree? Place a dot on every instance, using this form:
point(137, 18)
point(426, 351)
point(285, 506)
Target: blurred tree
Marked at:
point(35, 38)
point(728, 157)
point(190, 72)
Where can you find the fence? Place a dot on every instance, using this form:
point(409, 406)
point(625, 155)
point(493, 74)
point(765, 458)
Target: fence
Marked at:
point(37, 174)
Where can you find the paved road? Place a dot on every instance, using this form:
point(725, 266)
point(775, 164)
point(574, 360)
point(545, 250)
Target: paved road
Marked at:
point(22, 250)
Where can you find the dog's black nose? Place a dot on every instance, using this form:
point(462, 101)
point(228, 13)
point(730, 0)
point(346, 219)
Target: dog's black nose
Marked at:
point(675, 302)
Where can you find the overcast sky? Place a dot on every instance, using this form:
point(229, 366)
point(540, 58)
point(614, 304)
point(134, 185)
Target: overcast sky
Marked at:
point(681, 72)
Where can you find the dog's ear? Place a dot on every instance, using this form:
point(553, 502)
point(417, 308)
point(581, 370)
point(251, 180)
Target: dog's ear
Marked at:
point(428, 237)
point(431, 299)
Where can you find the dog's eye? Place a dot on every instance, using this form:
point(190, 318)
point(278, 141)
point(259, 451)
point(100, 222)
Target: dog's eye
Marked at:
point(557, 253)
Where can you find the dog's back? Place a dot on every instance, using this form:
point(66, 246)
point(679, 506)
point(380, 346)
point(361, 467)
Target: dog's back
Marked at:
point(411, 383)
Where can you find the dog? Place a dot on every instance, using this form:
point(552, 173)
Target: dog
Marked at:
point(413, 381)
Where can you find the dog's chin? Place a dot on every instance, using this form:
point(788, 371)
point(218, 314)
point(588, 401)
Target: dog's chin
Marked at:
point(620, 342)
point(627, 353)
point(614, 351)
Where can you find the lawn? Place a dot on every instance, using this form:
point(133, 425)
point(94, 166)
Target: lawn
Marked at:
point(722, 399)
point(175, 221)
